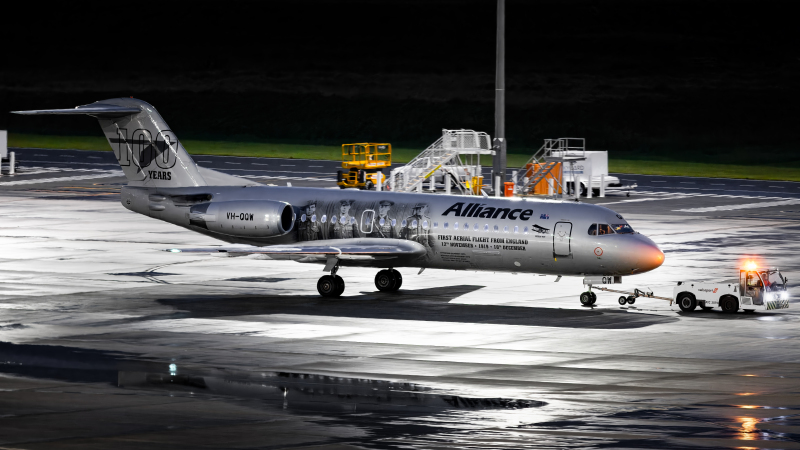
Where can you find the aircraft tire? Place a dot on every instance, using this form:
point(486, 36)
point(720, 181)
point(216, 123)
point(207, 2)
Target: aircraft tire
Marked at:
point(687, 303)
point(327, 286)
point(631, 299)
point(398, 280)
point(594, 297)
point(586, 299)
point(384, 281)
point(622, 300)
point(339, 285)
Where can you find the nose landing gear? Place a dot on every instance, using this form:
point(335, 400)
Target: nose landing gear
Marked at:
point(388, 280)
point(588, 298)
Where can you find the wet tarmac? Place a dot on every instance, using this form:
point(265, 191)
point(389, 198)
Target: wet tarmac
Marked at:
point(107, 342)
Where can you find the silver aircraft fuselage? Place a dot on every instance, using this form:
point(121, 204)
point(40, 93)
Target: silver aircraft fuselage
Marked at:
point(458, 232)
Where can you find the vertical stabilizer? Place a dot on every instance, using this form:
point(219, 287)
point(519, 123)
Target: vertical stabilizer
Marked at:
point(149, 153)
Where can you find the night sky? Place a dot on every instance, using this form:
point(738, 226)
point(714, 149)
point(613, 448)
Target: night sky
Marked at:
point(642, 77)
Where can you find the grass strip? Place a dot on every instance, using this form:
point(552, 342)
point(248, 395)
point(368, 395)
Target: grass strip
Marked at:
point(401, 155)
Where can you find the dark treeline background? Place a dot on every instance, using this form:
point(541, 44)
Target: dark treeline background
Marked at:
point(701, 80)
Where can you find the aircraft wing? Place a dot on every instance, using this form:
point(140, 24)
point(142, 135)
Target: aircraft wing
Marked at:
point(319, 251)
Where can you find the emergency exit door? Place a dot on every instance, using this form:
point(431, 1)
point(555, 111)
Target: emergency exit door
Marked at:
point(367, 217)
point(561, 238)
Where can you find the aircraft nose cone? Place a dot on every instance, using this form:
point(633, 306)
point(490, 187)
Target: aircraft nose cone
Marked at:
point(649, 255)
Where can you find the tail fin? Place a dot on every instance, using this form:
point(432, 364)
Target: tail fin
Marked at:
point(148, 151)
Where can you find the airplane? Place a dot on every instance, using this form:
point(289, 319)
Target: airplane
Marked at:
point(370, 229)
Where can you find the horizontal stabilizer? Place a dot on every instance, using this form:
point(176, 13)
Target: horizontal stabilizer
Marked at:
point(94, 109)
point(341, 248)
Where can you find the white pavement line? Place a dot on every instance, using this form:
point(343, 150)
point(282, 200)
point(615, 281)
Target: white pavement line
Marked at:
point(281, 177)
point(675, 197)
point(117, 173)
point(744, 206)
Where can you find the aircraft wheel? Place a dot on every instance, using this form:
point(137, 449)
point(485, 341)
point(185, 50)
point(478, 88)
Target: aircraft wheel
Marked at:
point(398, 279)
point(586, 299)
point(631, 299)
point(339, 285)
point(729, 305)
point(687, 303)
point(327, 286)
point(623, 300)
point(384, 281)
point(594, 297)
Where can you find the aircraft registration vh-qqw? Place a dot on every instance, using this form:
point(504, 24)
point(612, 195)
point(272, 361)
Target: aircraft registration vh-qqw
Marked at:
point(383, 230)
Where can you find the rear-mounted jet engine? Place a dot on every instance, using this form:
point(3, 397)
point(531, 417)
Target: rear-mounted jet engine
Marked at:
point(244, 218)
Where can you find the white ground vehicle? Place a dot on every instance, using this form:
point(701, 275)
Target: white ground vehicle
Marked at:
point(756, 289)
point(595, 166)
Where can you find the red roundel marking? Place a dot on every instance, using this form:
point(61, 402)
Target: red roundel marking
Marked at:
point(598, 251)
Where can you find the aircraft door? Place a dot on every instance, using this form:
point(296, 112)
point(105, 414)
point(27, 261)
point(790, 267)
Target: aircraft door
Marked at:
point(367, 217)
point(561, 238)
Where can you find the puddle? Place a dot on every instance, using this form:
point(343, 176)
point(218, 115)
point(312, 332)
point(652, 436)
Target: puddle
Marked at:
point(287, 390)
point(303, 391)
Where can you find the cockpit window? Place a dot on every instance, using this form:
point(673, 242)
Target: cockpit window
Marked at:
point(600, 229)
point(623, 228)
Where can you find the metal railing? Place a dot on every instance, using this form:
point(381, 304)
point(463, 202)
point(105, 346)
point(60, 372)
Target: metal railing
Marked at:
point(541, 165)
point(443, 157)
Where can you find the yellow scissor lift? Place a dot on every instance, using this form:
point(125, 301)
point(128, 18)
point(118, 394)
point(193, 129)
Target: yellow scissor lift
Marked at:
point(363, 163)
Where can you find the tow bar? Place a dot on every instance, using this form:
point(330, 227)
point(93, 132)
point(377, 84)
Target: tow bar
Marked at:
point(632, 296)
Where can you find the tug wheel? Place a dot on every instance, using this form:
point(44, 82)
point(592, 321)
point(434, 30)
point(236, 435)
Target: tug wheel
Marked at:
point(687, 302)
point(729, 305)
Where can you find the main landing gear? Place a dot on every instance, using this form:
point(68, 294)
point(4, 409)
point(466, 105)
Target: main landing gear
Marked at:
point(388, 280)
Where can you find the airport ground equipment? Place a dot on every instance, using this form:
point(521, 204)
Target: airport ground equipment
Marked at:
point(364, 164)
point(453, 161)
point(755, 289)
point(564, 163)
point(5, 156)
point(589, 298)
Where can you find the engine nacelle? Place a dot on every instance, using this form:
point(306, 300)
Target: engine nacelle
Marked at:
point(251, 218)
